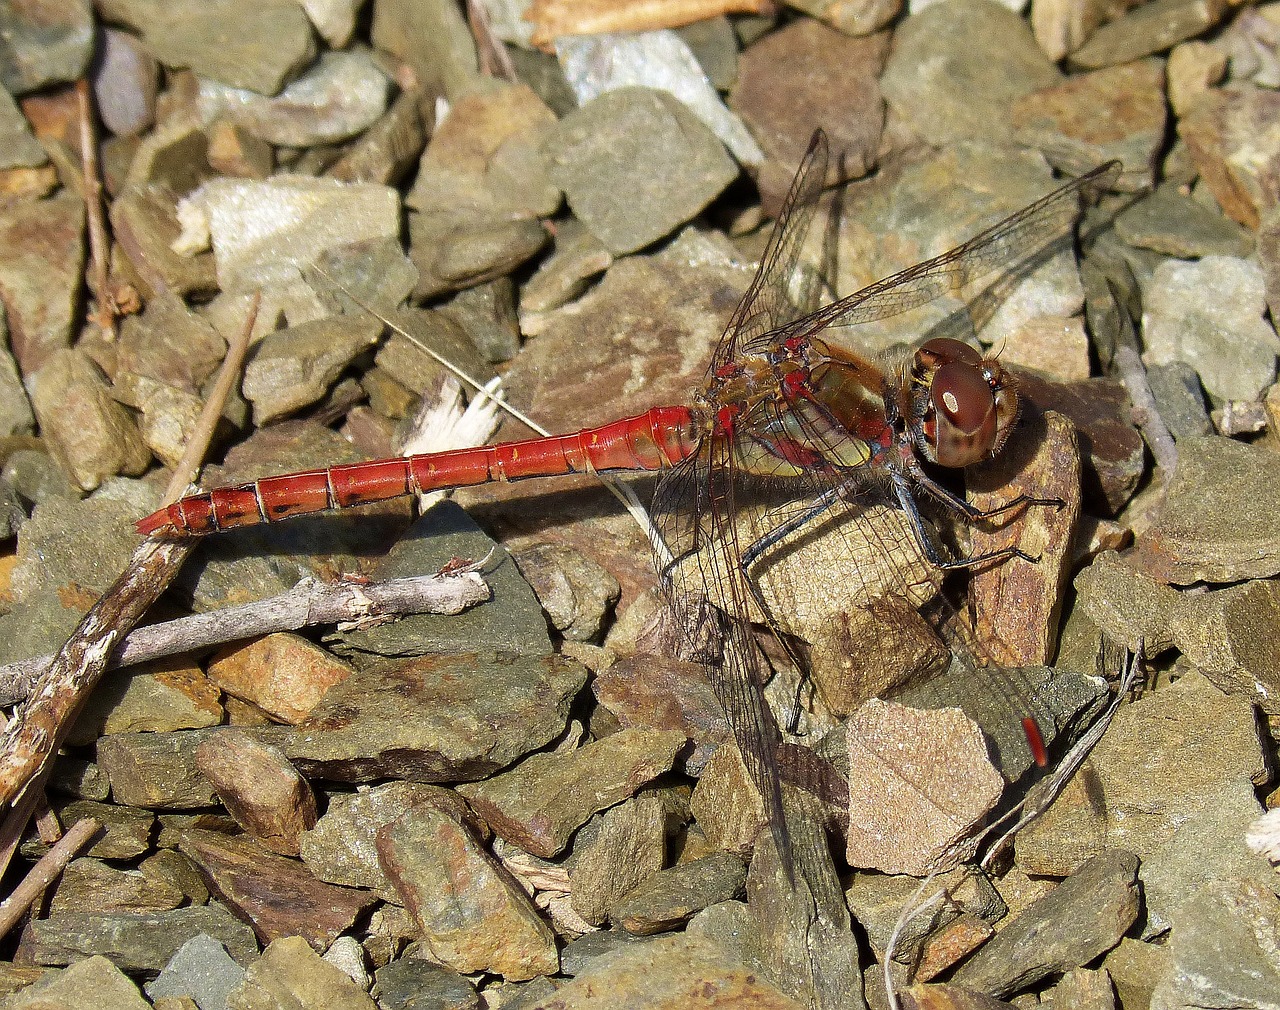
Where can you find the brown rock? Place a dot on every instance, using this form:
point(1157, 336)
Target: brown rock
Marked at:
point(278, 896)
point(260, 789)
point(540, 803)
point(283, 674)
point(472, 913)
point(1227, 132)
point(290, 974)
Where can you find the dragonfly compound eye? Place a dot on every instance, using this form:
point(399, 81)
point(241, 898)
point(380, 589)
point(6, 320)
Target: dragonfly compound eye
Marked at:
point(964, 406)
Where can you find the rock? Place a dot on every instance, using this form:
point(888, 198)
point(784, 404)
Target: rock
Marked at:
point(158, 698)
point(202, 970)
point(1150, 29)
point(172, 866)
point(415, 368)
point(295, 367)
point(125, 79)
point(436, 718)
point(137, 942)
point(433, 38)
point(409, 982)
point(260, 789)
point(473, 915)
point(1227, 916)
point(389, 149)
point(156, 769)
point(1225, 131)
point(90, 435)
point(576, 593)
point(127, 831)
point(291, 974)
point(1169, 222)
point(562, 276)
point(277, 896)
point(920, 783)
point(340, 95)
point(259, 46)
point(669, 898)
point(956, 69)
point(806, 75)
point(20, 149)
point(1210, 314)
point(283, 674)
point(487, 314)
point(93, 982)
point(1118, 112)
point(1127, 605)
point(1180, 399)
point(1135, 969)
point(89, 885)
point(540, 803)
point(1082, 918)
point(15, 409)
point(614, 852)
point(340, 847)
point(672, 970)
point(233, 150)
point(726, 803)
point(1216, 522)
point(1058, 345)
point(41, 259)
point(610, 146)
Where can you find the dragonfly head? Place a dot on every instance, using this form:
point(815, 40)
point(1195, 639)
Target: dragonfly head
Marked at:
point(964, 404)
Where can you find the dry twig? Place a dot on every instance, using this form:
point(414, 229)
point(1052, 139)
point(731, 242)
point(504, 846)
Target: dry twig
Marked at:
point(104, 313)
point(42, 874)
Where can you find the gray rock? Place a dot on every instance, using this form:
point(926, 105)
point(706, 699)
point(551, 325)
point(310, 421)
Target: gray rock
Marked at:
point(389, 148)
point(1152, 28)
point(614, 852)
point(127, 831)
point(487, 313)
point(45, 45)
point(137, 942)
point(259, 46)
point(93, 982)
point(411, 983)
point(577, 594)
point(200, 969)
point(643, 143)
point(340, 95)
point(1180, 400)
point(15, 409)
point(433, 38)
point(1172, 223)
point(1233, 638)
point(1080, 919)
point(1210, 314)
point(125, 80)
point(290, 974)
point(669, 898)
point(18, 147)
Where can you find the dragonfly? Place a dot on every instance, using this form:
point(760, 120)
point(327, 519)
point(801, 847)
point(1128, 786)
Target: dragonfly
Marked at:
point(787, 417)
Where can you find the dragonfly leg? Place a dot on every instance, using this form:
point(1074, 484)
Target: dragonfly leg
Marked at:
point(902, 491)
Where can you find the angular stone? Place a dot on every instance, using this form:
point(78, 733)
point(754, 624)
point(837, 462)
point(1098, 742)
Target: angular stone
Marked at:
point(16, 417)
point(726, 804)
point(540, 803)
point(1227, 132)
point(277, 896)
point(1148, 29)
point(125, 79)
point(433, 38)
point(88, 885)
point(340, 848)
point(169, 343)
point(1216, 522)
point(473, 915)
point(93, 982)
point(156, 769)
point(577, 594)
point(1127, 605)
point(1080, 919)
point(155, 699)
point(41, 258)
point(201, 970)
point(127, 831)
point(609, 146)
point(956, 68)
point(389, 149)
point(291, 974)
point(18, 148)
point(1177, 225)
point(919, 785)
point(283, 674)
point(667, 899)
point(436, 718)
point(138, 942)
point(409, 981)
point(260, 789)
point(614, 853)
point(45, 44)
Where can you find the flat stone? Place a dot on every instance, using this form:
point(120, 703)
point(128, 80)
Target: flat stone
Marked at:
point(16, 417)
point(337, 97)
point(93, 982)
point(1211, 314)
point(136, 942)
point(406, 983)
point(156, 770)
point(202, 970)
point(278, 896)
point(956, 68)
point(283, 674)
point(1226, 131)
point(1118, 112)
point(668, 972)
point(540, 803)
point(577, 594)
point(1177, 225)
point(20, 149)
point(89, 885)
point(127, 833)
point(1234, 916)
point(90, 435)
point(726, 803)
point(156, 699)
point(45, 45)
point(41, 260)
point(920, 782)
point(1135, 969)
point(260, 789)
point(609, 146)
point(169, 343)
point(388, 150)
point(613, 853)
point(487, 314)
point(472, 913)
point(259, 46)
point(1216, 522)
point(340, 847)
point(1150, 29)
point(669, 898)
point(433, 38)
point(1129, 606)
point(436, 718)
point(295, 367)
point(1232, 637)
point(1180, 399)
point(1080, 919)
point(806, 75)
point(290, 974)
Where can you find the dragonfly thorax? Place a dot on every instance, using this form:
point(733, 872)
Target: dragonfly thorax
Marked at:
point(960, 407)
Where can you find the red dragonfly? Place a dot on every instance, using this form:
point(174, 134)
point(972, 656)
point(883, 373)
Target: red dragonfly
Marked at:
point(816, 429)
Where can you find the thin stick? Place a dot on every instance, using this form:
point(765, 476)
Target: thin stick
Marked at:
point(308, 603)
point(43, 873)
point(104, 313)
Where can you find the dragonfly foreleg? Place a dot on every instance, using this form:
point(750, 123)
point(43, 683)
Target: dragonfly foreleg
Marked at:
point(902, 491)
point(971, 513)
